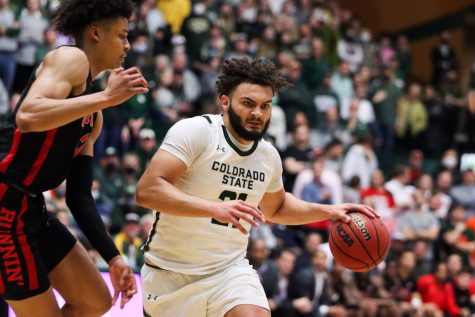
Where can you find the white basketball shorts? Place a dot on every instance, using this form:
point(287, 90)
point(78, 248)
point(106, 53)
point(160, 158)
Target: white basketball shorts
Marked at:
point(170, 294)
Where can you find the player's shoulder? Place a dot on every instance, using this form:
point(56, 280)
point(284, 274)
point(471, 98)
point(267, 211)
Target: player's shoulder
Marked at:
point(199, 122)
point(194, 127)
point(266, 145)
point(67, 54)
point(71, 59)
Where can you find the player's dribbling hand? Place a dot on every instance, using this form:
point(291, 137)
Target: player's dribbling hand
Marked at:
point(123, 281)
point(232, 210)
point(123, 84)
point(339, 212)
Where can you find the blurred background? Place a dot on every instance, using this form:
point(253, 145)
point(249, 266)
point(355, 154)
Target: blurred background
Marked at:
point(377, 114)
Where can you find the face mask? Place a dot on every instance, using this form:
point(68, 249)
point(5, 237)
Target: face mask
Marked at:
point(365, 37)
point(110, 167)
point(95, 194)
point(199, 9)
point(141, 47)
point(449, 162)
point(130, 170)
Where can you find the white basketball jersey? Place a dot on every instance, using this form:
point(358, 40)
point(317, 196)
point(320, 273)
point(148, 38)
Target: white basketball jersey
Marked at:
point(219, 168)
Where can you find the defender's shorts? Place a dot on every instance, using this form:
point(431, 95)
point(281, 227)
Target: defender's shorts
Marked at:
point(32, 243)
point(170, 294)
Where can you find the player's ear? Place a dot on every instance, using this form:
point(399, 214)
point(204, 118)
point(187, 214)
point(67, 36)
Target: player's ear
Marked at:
point(94, 32)
point(225, 102)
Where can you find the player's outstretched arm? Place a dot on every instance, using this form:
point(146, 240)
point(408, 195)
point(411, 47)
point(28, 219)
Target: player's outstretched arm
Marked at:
point(156, 191)
point(285, 208)
point(63, 73)
point(81, 203)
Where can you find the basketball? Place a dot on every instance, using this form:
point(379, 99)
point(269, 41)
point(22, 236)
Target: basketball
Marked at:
point(361, 244)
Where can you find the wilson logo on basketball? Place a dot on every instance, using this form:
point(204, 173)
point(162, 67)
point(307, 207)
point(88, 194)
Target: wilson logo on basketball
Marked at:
point(360, 223)
point(344, 235)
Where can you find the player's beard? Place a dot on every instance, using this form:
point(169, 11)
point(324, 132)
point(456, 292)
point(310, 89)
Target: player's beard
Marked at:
point(238, 127)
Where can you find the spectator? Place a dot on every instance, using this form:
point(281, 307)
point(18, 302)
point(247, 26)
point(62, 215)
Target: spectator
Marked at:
point(313, 241)
point(436, 138)
point(317, 192)
point(258, 254)
point(404, 57)
point(450, 162)
point(275, 280)
point(350, 50)
point(49, 43)
point(174, 12)
point(147, 147)
point(365, 112)
point(9, 29)
point(310, 293)
point(399, 187)
point(444, 59)
point(419, 224)
point(135, 111)
point(381, 200)
point(329, 178)
point(32, 27)
point(334, 154)
point(369, 47)
point(332, 128)
point(458, 239)
point(297, 156)
point(385, 96)
point(343, 87)
point(128, 241)
point(324, 99)
point(109, 176)
point(386, 51)
point(296, 98)
point(360, 160)
point(278, 125)
point(315, 68)
point(463, 194)
point(437, 293)
point(424, 184)
point(411, 119)
point(401, 281)
point(416, 163)
point(463, 296)
point(195, 29)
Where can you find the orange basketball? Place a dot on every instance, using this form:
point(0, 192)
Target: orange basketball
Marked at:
point(361, 244)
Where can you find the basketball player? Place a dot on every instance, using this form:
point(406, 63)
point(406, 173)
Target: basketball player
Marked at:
point(48, 138)
point(207, 180)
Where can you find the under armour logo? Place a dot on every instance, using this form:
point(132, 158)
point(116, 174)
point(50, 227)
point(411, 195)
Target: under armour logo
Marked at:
point(222, 149)
point(152, 297)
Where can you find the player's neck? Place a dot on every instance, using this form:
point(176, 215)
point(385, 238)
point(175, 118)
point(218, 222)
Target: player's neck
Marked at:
point(93, 57)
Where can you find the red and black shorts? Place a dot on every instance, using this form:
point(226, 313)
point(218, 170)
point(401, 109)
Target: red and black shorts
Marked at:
point(31, 244)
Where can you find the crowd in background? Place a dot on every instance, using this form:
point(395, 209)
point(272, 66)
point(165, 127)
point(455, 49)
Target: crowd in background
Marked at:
point(355, 126)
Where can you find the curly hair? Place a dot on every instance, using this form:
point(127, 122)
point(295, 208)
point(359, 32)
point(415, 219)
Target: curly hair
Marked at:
point(72, 16)
point(236, 71)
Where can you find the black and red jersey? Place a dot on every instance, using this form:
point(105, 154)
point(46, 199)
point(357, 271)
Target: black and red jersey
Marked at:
point(38, 161)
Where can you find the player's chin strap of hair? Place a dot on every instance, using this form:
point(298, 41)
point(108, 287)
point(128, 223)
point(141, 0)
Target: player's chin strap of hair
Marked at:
point(83, 207)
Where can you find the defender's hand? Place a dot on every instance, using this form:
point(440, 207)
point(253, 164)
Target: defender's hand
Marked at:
point(123, 280)
point(124, 84)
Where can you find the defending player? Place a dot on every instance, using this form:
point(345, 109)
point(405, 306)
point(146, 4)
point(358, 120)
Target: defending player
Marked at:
point(207, 180)
point(48, 138)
